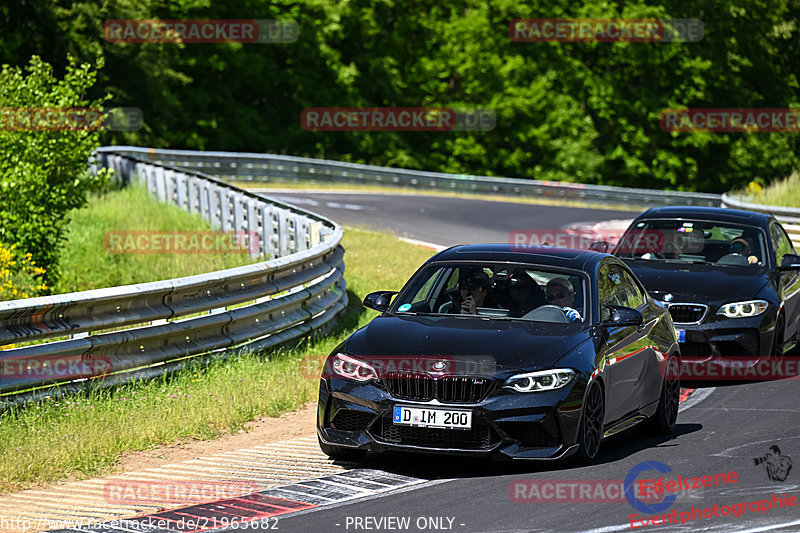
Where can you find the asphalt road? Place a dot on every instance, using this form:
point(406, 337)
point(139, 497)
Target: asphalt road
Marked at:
point(721, 433)
point(443, 220)
point(724, 432)
point(719, 430)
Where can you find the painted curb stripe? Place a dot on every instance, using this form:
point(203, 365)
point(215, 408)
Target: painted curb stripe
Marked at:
point(271, 503)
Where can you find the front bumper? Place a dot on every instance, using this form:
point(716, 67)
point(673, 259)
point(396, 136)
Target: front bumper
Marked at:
point(727, 338)
point(505, 425)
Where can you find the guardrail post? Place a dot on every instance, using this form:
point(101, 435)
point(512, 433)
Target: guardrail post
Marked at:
point(224, 210)
point(180, 190)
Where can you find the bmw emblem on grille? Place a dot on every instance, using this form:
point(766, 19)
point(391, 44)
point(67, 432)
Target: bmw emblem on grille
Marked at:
point(668, 297)
point(439, 366)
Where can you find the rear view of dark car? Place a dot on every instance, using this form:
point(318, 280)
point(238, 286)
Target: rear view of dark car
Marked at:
point(729, 279)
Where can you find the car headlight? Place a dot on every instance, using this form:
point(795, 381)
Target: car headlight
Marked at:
point(743, 309)
point(349, 368)
point(543, 380)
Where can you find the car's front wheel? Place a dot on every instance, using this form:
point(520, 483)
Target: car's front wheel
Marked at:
point(663, 422)
point(777, 340)
point(591, 427)
point(338, 452)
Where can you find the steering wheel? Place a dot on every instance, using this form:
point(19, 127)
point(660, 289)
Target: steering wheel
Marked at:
point(547, 313)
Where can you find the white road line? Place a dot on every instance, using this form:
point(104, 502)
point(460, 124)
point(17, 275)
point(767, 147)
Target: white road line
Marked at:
point(432, 246)
point(697, 396)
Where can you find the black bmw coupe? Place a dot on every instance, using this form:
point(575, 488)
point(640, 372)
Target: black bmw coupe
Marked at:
point(729, 278)
point(506, 354)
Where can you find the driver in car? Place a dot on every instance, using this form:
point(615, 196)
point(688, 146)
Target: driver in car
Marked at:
point(740, 246)
point(560, 293)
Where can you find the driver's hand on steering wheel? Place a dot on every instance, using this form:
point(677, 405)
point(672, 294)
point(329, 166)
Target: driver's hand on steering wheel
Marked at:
point(572, 314)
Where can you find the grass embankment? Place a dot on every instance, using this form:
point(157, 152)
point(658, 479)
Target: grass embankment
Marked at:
point(86, 263)
point(784, 193)
point(84, 434)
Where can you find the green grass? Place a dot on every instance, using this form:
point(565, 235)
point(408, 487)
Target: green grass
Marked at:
point(784, 193)
point(82, 435)
point(87, 264)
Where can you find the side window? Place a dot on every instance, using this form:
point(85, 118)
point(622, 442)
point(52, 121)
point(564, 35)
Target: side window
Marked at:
point(615, 286)
point(781, 244)
point(607, 290)
point(634, 294)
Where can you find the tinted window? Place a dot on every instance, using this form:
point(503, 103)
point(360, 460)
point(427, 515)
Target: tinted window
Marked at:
point(781, 244)
point(693, 241)
point(498, 290)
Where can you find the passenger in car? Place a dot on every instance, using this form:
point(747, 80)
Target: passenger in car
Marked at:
point(525, 294)
point(473, 291)
point(560, 293)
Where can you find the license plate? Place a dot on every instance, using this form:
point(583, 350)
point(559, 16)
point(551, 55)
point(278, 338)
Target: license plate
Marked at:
point(681, 335)
point(432, 418)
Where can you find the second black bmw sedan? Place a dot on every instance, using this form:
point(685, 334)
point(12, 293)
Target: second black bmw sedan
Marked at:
point(729, 278)
point(503, 353)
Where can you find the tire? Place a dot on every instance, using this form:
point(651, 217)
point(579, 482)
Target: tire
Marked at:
point(590, 431)
point(339, 452)
point(663, 422)
point(778, 339)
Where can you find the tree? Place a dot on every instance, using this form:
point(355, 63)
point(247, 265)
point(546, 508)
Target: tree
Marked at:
point(43, 172)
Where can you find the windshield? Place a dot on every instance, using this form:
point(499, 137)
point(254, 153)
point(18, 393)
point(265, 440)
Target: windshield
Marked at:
point(505, 291)
point(694, 241)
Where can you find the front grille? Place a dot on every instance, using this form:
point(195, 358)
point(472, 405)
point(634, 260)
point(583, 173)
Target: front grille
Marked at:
point(447, 390)
point(350, 420)
point(480, 437)
point(462, 389)
point(408, 387)
point(687, 313)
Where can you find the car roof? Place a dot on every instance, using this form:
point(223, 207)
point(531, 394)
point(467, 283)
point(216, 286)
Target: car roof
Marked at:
point(584, 260)
point(717, 214)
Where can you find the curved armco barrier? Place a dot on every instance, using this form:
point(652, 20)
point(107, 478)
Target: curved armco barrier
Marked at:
point(295, 293)
point(789, 217)
point(264, 167)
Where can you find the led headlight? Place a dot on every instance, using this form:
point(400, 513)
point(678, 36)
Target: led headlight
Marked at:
point(349, 368)
point(743, 309)
point(543, 380)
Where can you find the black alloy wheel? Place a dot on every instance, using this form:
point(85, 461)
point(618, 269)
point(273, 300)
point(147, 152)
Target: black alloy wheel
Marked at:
point(590, 432)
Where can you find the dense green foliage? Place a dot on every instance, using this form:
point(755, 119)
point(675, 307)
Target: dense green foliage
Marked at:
point(584, 112)
point(43, 174)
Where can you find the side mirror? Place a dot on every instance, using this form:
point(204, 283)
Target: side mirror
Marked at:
point(623, 316)
point(600, 246)
point(790, 262)
point(379, 300)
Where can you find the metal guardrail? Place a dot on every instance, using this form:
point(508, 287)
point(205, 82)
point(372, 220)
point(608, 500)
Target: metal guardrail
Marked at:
point(789, 217)
point(265, 167)
point(167, 323)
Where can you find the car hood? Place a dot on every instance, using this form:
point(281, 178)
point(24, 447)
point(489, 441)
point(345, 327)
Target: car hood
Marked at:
point(699, 283)
point(503, 344)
